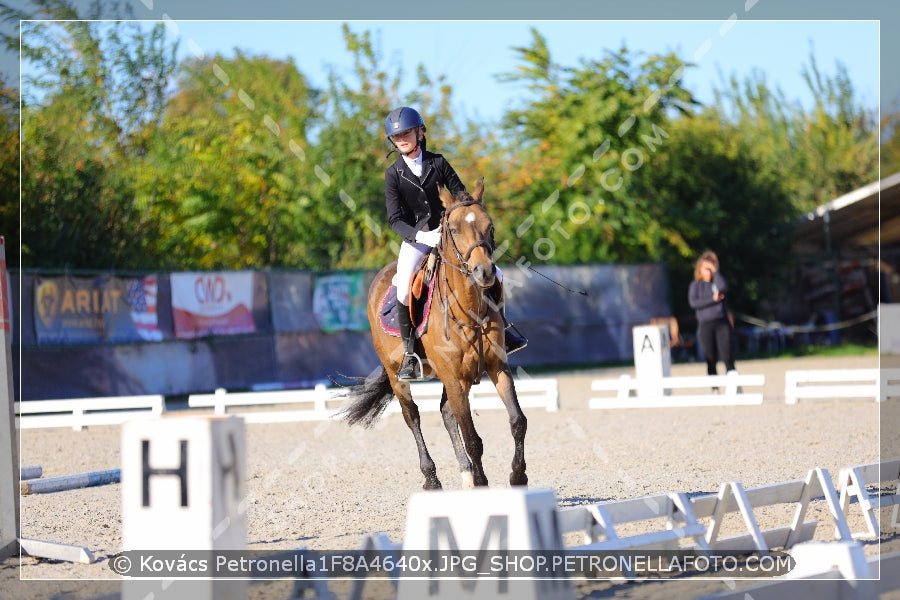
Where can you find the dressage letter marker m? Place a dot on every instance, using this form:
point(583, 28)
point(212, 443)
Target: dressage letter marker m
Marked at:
point(184, 486)
point(471, 540)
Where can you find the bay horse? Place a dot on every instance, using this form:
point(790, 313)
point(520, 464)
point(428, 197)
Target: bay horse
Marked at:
point(464, 338)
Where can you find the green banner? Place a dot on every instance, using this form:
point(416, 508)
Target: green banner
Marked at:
point(339, 302)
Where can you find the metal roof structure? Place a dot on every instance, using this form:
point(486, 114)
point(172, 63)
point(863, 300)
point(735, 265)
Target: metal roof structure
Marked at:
point(859, 222)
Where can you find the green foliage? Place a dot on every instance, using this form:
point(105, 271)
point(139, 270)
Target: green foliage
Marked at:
point(711, 190)
point(890, 149)
point(577, 149)
point(227, 168)
point(9, 172)
point(817, 155)
point(80, 132)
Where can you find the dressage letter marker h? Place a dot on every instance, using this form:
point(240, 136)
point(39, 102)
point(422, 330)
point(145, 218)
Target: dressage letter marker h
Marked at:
point(147, 471)
point(184, 487)
point(453, 529)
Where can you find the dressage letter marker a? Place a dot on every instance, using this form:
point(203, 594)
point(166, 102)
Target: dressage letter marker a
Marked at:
point(184, 487)
point(652, 358)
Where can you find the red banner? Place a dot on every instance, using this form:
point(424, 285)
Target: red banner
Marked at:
point(206, 304)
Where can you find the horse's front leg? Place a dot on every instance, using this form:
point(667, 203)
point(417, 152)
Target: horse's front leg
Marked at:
point(450, 422)
point(458, 399)
point(411, 416)
point(518, 424)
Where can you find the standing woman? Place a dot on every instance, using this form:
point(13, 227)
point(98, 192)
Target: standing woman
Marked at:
point(706, 295)
point(414, 212)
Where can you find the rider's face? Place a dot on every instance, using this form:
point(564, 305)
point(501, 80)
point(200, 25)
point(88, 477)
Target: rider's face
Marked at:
point(406, 140)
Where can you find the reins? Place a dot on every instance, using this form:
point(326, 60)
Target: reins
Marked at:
point(463, 267)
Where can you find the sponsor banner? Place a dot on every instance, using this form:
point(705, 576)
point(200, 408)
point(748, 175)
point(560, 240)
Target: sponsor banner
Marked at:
point(205, 304)
point(290, 299)
point(339, 302)
point(90, 310)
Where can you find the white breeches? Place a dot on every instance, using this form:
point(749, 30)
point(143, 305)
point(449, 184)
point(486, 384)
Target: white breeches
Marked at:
point(408, 260)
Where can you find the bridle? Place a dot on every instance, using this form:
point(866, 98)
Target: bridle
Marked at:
point(462, 259)
point(480, 317)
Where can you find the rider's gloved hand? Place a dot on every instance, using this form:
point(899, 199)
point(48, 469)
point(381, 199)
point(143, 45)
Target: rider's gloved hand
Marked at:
point(429, 238)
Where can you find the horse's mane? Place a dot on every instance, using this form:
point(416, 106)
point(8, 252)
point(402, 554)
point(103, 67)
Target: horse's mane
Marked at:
point(462, 196)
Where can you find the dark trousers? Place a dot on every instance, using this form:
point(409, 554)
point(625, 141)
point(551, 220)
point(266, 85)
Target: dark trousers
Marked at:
point(715, 339)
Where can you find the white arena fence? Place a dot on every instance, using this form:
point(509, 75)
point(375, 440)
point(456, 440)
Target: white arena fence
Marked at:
point(79, 413)
point(625, 391)
point(322, 403)
point(832, 384)
point(857, 483)
point(699, 390)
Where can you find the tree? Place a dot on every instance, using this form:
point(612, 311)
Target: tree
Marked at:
point(711, 189)
point(575, 149)
point(226, 177)
point(890, 146)
point(9, 171)
point(354, 152)
point(80, 132)
point(818, 154)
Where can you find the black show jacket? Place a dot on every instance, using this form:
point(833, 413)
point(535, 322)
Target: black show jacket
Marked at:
point(412, 202)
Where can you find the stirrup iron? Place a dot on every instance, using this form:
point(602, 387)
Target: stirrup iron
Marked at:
point(415, 362)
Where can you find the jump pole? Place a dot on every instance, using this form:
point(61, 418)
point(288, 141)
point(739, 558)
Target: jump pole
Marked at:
point(9, 447)
point(31, 472)
point(69, 482)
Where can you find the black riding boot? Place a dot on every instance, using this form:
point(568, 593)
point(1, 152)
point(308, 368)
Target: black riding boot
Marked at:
point(514, 340)
point(411, 369)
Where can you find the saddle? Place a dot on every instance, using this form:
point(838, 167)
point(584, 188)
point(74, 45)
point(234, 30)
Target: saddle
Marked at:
point(421, 290)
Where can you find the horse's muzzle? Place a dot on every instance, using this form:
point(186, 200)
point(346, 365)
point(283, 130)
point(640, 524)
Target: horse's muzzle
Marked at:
point(484, 275)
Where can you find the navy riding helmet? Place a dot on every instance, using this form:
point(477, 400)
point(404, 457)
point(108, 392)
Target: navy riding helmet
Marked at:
point(401, 119)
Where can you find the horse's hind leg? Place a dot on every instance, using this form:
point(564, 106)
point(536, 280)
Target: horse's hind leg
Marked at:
point(465, 465)
point(411, 416)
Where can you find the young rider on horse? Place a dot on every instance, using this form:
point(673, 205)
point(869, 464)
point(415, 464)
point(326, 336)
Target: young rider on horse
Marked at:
point(414, 213)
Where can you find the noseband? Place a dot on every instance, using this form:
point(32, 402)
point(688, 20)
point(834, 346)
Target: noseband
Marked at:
point(463, 259)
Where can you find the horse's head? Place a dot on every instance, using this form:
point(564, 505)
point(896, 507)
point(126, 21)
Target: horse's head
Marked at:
point(468, 232)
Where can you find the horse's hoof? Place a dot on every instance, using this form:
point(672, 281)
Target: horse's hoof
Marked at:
point(468, 481)
point(481, 481)
point(432, 485)
point(518, 479)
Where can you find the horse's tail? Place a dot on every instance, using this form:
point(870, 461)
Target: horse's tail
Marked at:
point(368, 400)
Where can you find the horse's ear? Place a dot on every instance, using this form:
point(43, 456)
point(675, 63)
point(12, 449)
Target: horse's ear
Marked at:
point(479, 190)
point(445, 196)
